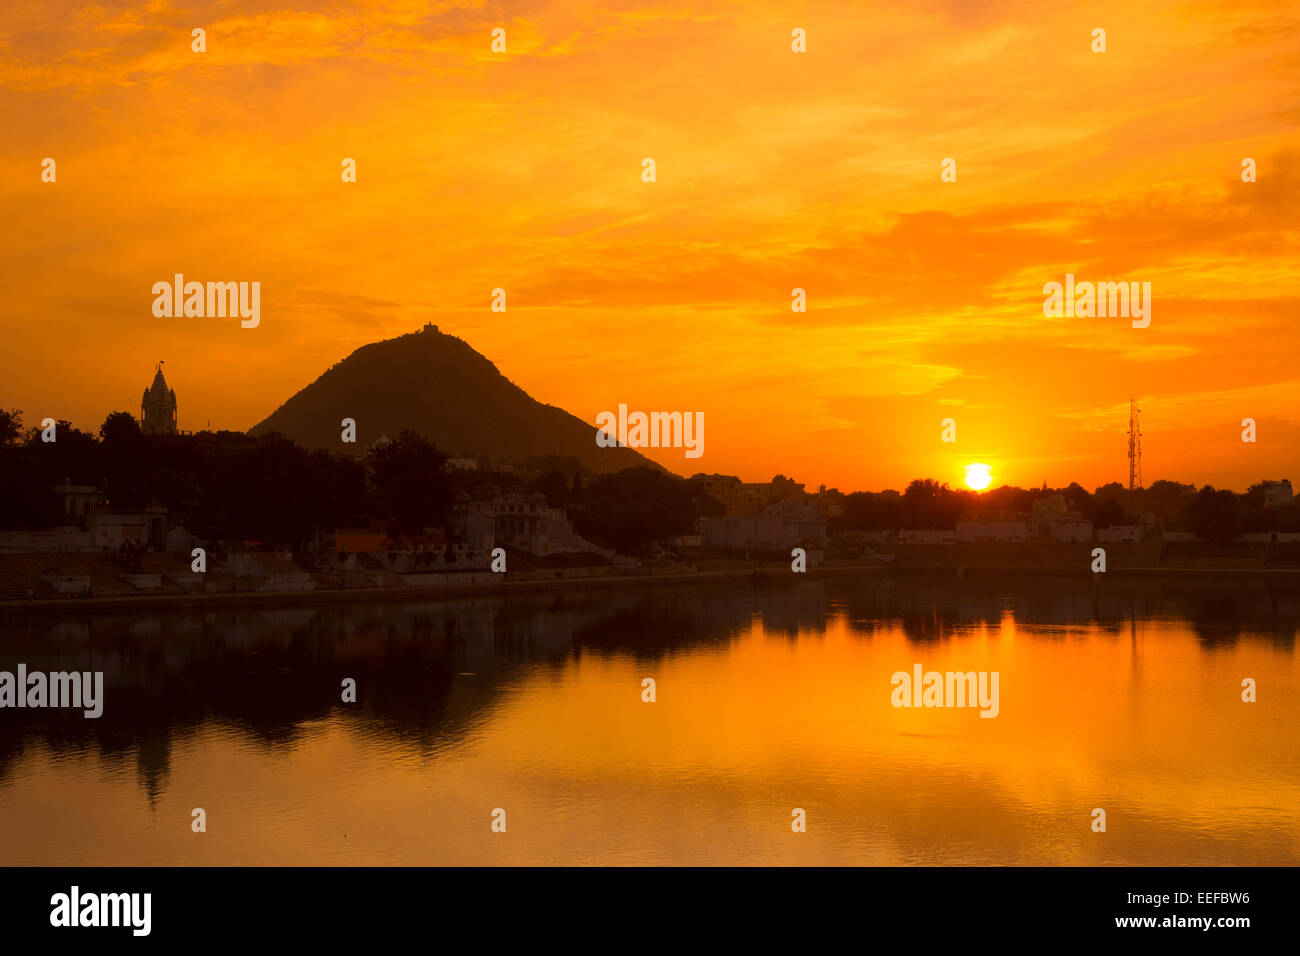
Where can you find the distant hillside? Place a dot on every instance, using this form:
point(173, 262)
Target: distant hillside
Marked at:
point(437, 385)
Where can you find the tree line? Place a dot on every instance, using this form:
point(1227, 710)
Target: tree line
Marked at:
point(1213, 514)
point(228, 486)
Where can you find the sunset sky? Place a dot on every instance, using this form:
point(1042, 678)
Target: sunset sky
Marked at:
point(775, 170)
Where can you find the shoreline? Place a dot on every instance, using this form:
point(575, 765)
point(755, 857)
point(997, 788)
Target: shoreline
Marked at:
point(758, 574)
point(324, 596)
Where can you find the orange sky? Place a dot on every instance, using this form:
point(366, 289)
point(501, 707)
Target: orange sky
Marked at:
point(775, 170)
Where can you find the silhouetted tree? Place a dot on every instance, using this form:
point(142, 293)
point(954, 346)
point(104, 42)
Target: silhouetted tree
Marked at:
point(119, 428)
point(929, 504)
point(867, 511)
point(72, 455)
point(26, 500)
point(11, 426)
point(1215, 516)
point(409, 477)
point(1111, 489)
point(1166, 499)
point(1107, 512)
point(1008, 499)
point(554, 487)
point(1077, 497)
point(636, 507)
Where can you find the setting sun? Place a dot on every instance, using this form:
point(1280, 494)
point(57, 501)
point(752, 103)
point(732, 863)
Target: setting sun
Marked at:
point(978, 476)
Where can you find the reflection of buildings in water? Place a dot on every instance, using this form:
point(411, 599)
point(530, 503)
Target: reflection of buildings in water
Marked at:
point(153, 762)
point(930, 609)
point(266, 673)
point(800, 606)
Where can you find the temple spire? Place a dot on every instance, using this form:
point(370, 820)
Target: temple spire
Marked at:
point(158, 407)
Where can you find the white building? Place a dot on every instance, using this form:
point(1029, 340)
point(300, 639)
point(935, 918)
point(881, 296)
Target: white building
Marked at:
point(517, 520)
point(791, 523)
point(78, 502)
point(1052, 517)
point(1277, 494)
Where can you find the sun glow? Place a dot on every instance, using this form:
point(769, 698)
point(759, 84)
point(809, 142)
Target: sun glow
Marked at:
point(978, 476)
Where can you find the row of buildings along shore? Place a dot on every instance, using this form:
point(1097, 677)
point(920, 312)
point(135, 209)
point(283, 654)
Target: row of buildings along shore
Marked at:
point(760, 516)
point(778, 514)
point(761, 520)
point(757, 518)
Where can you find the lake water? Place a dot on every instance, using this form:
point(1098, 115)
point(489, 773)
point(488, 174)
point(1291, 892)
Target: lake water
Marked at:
point(1124, 695)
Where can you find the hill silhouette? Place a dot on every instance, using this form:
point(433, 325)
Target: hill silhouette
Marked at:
point(439, 386)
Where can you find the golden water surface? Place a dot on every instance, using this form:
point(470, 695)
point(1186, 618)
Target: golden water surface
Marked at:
point(770, 696)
